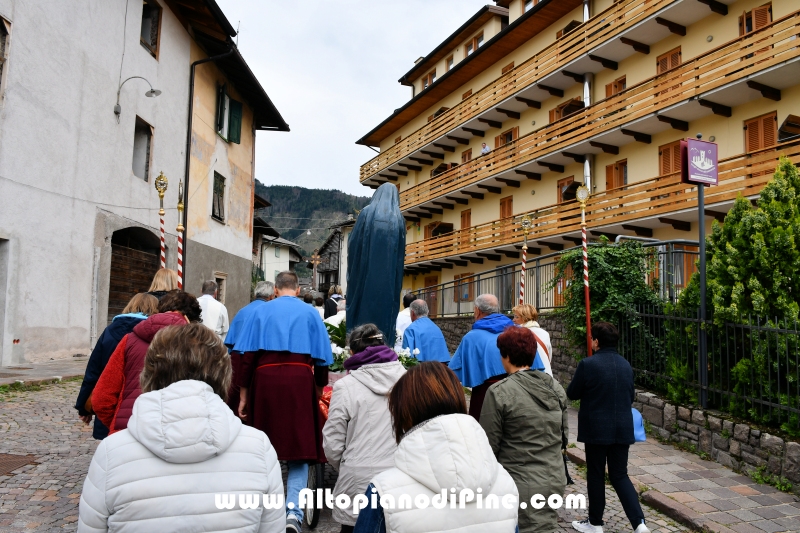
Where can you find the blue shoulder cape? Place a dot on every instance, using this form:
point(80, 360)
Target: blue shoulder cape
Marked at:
point(241, 325)
point(426, 336)
point(285, 324)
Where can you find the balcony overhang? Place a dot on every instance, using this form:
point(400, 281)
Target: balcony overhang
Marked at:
point(740, 91)
point(647, 32)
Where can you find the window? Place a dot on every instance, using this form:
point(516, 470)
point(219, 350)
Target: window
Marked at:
point(669, 60)
point(277, 251)
point(221, 278)
point(568, 28)
point(464, 287)
point(473, 44)
point(229, 116)
point(466, 218)
point(529, 5)
point(565, 109)
point(434, 229)
point(151, 22)
point(507, 207)
point(669, 158)
point(562, 185)
point(761, 132)
point(142, 141)
point(428, 80)
point(449, 62)
point(506, 137)
point(756, 19)
point(617, 174)
point(615, 87)
point(5, 29)
point(466, 95)
point(466, 155)
point(218, 199)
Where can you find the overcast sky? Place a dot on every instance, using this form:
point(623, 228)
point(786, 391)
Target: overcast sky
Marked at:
point(331, 68)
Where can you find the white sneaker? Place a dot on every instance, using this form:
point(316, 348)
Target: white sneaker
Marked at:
point(642, 528)
point(585, 527)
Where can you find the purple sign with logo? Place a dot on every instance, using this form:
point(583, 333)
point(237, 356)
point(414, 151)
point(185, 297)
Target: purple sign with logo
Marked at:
point(699, 162)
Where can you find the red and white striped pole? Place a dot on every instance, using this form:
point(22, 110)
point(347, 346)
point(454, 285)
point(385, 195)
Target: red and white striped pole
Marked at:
point(582, 195)
point(161, 183)
point(526, 227)
point(180, 230)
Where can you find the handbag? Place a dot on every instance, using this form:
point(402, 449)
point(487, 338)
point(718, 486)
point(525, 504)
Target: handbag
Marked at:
point(638, 426)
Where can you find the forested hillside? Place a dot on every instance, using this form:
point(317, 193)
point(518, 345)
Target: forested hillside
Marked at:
point(296, 211)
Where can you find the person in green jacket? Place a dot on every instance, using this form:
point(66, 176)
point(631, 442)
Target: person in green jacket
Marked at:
point(525, 418)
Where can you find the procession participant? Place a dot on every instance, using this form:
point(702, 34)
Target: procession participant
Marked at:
point(139, 308)
point(425, 336)
point(526, 315)
point(477, 359)
point(358, 434)
point(118, 386)
point(335, 294)
point(286, 354)
point(164, 280)
point(215, 314)
point(240, 330)
point(403, 320)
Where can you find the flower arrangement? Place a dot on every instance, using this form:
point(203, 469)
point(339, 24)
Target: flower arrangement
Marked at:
point(406, 357)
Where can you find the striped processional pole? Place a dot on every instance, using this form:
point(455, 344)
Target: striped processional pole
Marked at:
point(180, 230)
point(161, 183)
point(526, 227)
point(582, 194)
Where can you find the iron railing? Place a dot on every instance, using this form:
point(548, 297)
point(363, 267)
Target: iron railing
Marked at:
point(672, 264)
point(753, 365)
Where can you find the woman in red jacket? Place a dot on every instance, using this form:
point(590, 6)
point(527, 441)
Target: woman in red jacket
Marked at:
point(118, 386)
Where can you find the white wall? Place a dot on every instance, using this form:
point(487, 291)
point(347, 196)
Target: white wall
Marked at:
point(271, 264)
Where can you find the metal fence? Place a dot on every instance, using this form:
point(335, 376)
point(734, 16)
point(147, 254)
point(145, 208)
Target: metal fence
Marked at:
point(753, 365)
point(671, 265)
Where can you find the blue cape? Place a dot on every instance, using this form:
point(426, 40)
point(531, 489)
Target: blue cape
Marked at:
point(375, 252)
point(478, 358)
point(242, 324)
point(285, 324)
point(426, 336)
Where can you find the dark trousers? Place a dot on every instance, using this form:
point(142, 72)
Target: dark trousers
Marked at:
point(347, 529)
point(617, 457)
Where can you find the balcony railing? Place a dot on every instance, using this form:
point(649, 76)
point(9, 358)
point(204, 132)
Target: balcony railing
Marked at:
point(657, 197)
point(728, 63)
point(600, 28)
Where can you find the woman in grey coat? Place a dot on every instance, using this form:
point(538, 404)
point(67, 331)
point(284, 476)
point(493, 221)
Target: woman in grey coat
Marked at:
point(525, 418)
point(358, 438)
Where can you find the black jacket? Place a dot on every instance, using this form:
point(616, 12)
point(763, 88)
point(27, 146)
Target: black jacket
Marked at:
point(330, 305)
point(604, 385)
point(105, 346)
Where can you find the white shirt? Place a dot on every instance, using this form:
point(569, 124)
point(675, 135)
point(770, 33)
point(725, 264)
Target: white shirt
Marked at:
point(544, 338)
point(336, 319)
point(321, 311)
point(215, 316)
point(403, 321)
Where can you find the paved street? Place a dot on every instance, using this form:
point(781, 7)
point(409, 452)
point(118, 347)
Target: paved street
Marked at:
point(44, 495)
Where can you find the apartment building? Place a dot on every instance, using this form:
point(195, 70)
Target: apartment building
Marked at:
point(529, 99)
point(97, 98)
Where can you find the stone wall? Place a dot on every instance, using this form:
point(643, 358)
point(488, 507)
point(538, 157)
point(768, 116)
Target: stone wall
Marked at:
point(454, 329)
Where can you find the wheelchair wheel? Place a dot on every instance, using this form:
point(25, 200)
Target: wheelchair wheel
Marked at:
point(316, 480)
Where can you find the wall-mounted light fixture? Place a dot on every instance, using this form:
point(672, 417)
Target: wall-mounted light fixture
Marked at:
point(152, 93)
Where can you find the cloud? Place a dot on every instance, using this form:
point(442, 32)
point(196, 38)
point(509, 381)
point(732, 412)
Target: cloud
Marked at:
point(331, 68)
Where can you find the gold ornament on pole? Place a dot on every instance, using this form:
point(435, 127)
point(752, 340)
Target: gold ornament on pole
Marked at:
point(526, 224)
point(161, 183)
point(180, 230)
point(582, 195)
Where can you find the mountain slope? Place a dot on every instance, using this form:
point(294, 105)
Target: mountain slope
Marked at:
point(297, 210)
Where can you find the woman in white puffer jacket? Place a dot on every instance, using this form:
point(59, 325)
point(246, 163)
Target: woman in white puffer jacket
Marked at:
point(441, 449)
point(183, 450)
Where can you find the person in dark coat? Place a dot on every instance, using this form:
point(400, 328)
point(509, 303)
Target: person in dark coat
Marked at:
point(604, 385)
point(334, 295)
point(165, 280)
point(139, 308)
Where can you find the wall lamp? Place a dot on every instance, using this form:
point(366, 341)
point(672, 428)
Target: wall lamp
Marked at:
point(152, 93)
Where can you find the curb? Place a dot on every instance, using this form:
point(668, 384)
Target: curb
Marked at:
point(45, 381)
point(655, 499)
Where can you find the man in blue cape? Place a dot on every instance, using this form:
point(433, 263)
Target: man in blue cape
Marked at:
point(241, 326)
point(477, 360)
point(424, 335)
point(287, 352)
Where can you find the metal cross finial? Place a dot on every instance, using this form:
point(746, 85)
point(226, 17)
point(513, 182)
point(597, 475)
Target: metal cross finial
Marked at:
point(161, 186)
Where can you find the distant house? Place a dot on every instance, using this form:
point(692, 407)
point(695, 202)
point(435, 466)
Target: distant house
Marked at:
point(332, 269)
point(278, 255)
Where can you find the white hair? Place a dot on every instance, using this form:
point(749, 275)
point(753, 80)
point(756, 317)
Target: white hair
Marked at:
point(264, 289)
point(341, 305)
point(419, 308)
point(487, 304)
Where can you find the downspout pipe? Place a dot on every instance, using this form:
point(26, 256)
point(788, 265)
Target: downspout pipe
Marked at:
point(189, 151)
point(586, 10)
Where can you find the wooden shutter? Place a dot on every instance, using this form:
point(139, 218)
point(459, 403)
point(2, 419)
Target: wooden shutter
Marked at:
point(515, 133)
point(752, 135)
point(498, 141)
point(669, 60)
point(609, 177)
point(662, 64)
point(554, 114)
point(466, 155)
point(506, 207)
point(508, 68)
point(675, 58)
point(235, 122)
point(760, 132)
point(769, 130)
point(560, 185)
point(466, 218)
point(429, 231)
point(609, 90)
point(762, 16)
point(466, 95)
point(669, 158)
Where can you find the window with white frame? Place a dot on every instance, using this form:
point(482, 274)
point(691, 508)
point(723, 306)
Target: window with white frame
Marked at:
point(5, 31)
point(142, 147)
point(229, 116)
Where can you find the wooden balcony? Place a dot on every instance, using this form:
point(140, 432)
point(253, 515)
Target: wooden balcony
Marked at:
point(641, 204)
point(758, 64)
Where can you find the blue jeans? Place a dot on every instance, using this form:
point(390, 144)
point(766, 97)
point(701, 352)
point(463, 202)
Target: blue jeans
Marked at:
point(295, 482)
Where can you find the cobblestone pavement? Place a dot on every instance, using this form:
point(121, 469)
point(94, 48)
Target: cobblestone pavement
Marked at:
point(44, 495)
point(708, 492)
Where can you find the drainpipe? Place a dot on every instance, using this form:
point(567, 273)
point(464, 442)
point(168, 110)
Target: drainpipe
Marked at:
point(189, 152)
point(586, 13)
point(588, 83)
point(587, 172)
